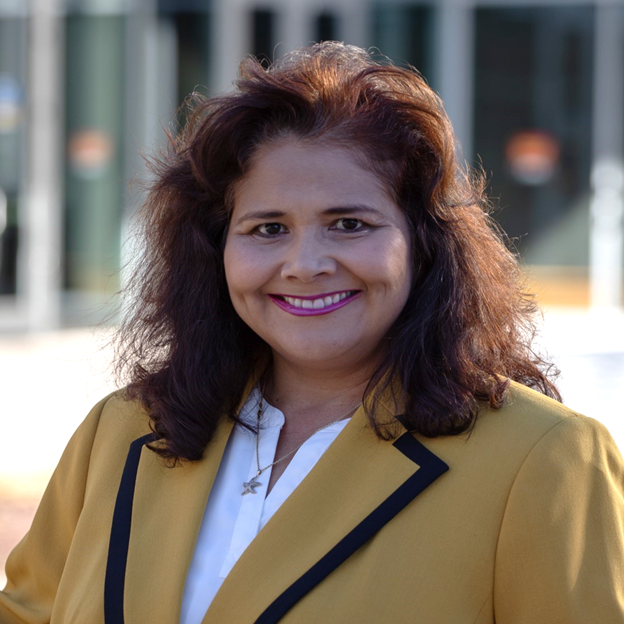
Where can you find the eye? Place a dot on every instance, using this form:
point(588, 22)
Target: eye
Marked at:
point(349, 224)
point(270, 229)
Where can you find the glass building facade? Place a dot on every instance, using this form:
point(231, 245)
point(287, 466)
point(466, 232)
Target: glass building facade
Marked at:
point(87, 85)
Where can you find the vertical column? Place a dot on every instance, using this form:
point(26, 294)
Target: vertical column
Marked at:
point(230, 33)
point(41, 254)
point(148, 95)
point(140, 83)
point(150, 83)
point(294, 29)
point(354, 25)
point(454, 51)
point(607, 203)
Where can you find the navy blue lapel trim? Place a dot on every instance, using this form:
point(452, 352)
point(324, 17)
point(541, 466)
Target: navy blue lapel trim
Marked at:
point(120, 535)
point(430, 468)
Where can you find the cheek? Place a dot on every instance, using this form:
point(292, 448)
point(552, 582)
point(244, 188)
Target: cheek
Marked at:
point(245, 273)
point(391, 267)
point(235, 271)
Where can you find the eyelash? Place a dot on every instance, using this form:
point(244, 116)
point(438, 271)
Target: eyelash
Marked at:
point(362, 226)
point(258, 229)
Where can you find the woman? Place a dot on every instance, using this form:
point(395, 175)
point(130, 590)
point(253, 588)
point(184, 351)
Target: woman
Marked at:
point(334, 413)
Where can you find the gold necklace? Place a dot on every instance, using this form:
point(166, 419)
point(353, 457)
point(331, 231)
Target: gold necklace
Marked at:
point(249, 486)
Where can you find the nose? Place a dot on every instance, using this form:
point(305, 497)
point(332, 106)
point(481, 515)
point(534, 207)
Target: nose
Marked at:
point(308, 256)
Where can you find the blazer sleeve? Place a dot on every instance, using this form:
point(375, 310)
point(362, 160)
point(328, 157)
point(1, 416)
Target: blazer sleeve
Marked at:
point(560, 556)
point(35, 566)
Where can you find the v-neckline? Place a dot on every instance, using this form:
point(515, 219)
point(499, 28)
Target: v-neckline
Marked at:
point(281, 490)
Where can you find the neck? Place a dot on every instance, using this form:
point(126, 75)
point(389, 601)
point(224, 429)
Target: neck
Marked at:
point(315, 396)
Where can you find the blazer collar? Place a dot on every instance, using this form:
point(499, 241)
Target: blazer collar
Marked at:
point(358, 485)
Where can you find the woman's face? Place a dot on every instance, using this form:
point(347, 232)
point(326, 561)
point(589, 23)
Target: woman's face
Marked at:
point(317, 255)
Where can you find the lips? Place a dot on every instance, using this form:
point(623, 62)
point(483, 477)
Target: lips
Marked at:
point(314, 305)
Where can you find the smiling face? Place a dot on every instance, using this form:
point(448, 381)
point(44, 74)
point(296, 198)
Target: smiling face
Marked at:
point(317, 255)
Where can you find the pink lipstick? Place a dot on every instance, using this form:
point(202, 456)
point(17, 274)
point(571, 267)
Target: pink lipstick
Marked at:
point(315, 305)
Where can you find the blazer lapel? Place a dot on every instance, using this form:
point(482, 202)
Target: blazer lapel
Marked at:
point(359, 485)
point(167, 507)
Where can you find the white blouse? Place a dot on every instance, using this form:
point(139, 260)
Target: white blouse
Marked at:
point(231, 520)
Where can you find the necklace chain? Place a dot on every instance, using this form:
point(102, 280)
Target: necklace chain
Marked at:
point(251, 485)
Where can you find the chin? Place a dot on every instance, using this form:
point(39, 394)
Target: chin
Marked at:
point(314, 354)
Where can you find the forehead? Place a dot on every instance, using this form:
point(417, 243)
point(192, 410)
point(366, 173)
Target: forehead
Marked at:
point(292, 172)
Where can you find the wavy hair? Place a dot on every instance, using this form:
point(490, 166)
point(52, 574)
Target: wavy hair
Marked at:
point(467, 327)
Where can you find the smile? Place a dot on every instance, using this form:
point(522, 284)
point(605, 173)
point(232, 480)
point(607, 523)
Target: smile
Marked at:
point(314, 306)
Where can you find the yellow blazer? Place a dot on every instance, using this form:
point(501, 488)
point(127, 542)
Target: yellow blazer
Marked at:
point(521, 522)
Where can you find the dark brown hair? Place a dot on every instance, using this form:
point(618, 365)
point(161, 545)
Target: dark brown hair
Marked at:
point(467, 327)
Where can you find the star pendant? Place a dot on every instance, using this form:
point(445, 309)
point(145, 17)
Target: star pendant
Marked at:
point(250, 486)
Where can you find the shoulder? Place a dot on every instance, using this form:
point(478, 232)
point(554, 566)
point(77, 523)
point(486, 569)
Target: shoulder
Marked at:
point(562, 445)
point(528, 417)
point(534, 409)
point(120, 417)
point(530, 431)
point(561, 531)
point(104, 436)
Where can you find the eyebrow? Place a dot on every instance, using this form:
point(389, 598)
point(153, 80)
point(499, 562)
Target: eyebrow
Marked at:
point(337, 210)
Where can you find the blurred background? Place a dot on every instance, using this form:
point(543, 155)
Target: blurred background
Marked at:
point(535, 91)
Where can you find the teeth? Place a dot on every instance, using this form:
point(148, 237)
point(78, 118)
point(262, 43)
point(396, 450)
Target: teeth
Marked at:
point(317, 304)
